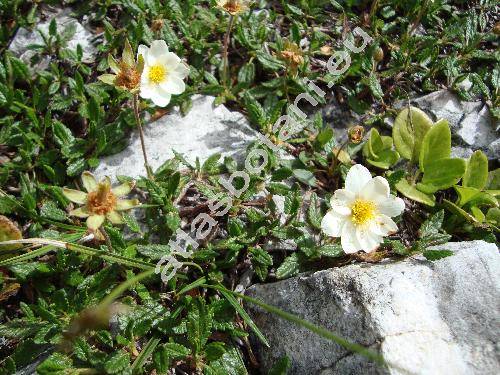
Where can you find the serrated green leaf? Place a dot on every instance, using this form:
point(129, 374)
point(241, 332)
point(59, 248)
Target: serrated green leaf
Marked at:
point(290, 267)
point(436, 254)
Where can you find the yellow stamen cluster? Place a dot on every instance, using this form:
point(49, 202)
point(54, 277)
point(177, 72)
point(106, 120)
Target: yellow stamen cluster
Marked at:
point(362, 211)
point(157, 74)
point(102, 200)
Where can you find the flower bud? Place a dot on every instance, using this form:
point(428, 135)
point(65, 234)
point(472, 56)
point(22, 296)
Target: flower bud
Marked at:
point(378, 54)
point(356, 134)
point(496, 28)
point(157, 24)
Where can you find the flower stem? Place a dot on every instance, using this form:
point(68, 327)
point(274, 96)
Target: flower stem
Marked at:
point(106, 238)
point(336, 158)
point(225, 61)
point(141, 134)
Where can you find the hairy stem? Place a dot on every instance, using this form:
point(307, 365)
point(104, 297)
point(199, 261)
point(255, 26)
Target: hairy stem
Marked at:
point(141, 134)
point(225, 59)
point(336, 158)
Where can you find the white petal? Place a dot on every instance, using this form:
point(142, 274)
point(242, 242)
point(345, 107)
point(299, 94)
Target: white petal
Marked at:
point(114, 217)
point(357, 177)
point(376, 190)
point(75, 196)
point(349, 242)
point(332, 224)
point(182, 70)
point(383, 225)
point(143, 50)
point(345, 196)
point(342, 201)
point(147, 91)
point(160, 97)
point(95, 221)
point(89, 181)
point(170, 60)
point(173, 85)
point(391, 206)
point(123, 189)
point(79, 212)
point(368, 240)
point(158, 48)
point(126, 204)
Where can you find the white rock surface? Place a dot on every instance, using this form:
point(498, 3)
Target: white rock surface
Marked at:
point(204, 131)
point(471, 122)
point(425, 317)
point(24, 38)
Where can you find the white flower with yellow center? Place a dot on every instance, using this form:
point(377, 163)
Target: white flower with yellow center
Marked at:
point(361, 213)
point(163, 73)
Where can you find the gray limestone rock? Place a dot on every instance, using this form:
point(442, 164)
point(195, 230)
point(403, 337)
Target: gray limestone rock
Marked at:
point(425, 317)
point(75, 33)
point(204, 131)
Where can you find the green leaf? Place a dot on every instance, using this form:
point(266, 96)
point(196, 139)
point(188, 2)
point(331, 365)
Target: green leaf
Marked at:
point(305, 176)
point(214, 351)
point(146, 352)
point(385, 159)
point(331, 250)
point(56, 364)
point(231, 363)
point(436, 254)
point(408, 131)
point(453, 208)
point(268, 61)
point(466, 194)
point(117, 362)
point(493, 216)
point(246, 75)
point(281, 367)
point(244, 315)
point(410, 191)
point(324, 136)
point(436, 144)
point(290, 267)
point(432, 225)
point(375, 144)
point(314, 212)
point(442, 174)
point(174, 350)
point(51, 211)
point(375, 86)
point(131, 222)
point(476, 172)
point(53, 27)
point(199, 324)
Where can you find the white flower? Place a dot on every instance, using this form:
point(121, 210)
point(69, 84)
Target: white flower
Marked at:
point(361, 213)
point(163, 73)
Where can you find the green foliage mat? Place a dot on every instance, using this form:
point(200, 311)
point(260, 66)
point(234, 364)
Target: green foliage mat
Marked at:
point(58, 296)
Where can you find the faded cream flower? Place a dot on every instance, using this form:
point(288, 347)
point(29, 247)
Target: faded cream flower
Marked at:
point(101, 201)
point(163, 73)
point(234, 7)
point(127, 72)
point(361, 213)
point(292, 55)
